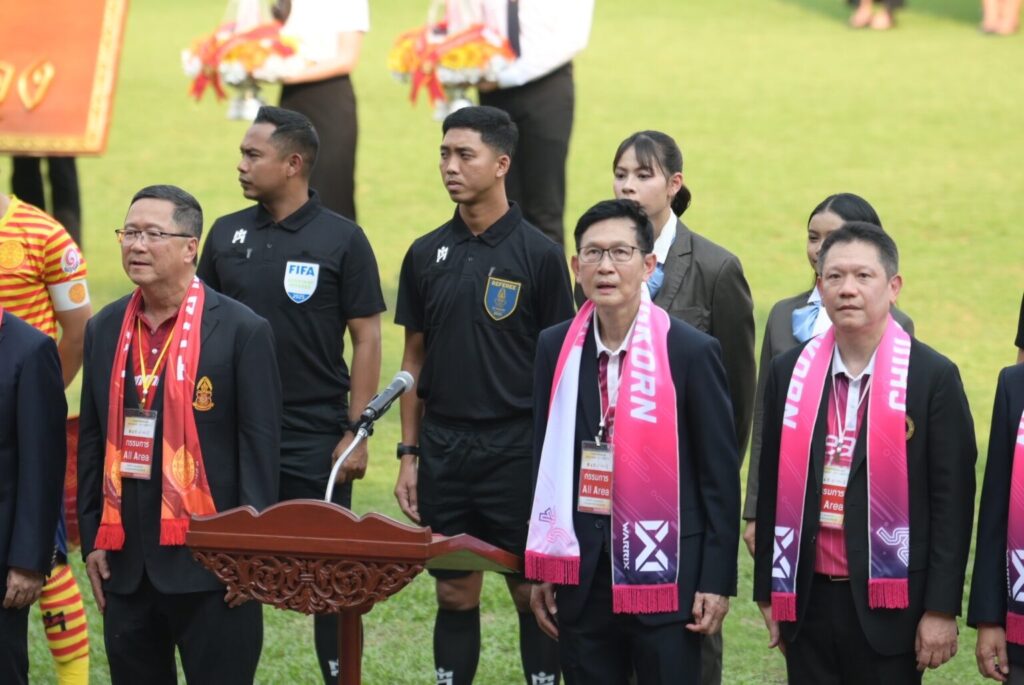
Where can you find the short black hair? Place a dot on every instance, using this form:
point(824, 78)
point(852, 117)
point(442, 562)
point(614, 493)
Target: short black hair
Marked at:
point(848, 207)
point(188, 215)
point(863, 232)
point(495, 126)
point(618, 209)
point(293, 133)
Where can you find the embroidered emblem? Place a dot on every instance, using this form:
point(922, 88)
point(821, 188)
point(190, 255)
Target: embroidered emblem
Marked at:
point(442, 254)
point(71, 260)
point(239, 236)
point(204, 395)
point(12, 255)
point(300, 280)
point(183, 468)
point(501, 297)
point(910, 428)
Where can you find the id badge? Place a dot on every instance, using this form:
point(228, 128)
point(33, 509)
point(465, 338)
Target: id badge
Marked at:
point(833, 495)
point(137, 443)
point(595, 496)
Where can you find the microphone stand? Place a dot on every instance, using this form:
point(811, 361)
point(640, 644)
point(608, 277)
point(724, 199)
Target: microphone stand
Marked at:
point(362, 433)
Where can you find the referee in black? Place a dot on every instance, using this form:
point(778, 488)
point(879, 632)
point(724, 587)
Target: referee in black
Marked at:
point(312, 274)
point(473, 296)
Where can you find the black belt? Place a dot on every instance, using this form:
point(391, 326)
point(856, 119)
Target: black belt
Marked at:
point(832, 579)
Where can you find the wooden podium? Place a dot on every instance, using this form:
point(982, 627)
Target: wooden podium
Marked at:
point(320, 558)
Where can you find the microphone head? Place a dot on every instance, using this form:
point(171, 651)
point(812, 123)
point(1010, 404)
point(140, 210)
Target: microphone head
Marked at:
point(406, 378)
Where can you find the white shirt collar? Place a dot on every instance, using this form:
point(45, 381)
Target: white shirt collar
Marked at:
point(668, 236)
point(601, 347)
point(821, 322)
point(839, 367)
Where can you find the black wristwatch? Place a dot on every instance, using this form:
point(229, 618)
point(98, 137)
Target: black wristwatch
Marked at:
point(404, 449)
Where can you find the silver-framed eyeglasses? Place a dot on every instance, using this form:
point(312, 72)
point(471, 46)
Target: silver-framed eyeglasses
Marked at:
point(619, 254)
point(127, 236)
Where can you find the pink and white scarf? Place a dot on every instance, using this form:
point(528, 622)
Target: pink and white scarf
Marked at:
point(888, 487)
point(645, 482)
point(1015, 543)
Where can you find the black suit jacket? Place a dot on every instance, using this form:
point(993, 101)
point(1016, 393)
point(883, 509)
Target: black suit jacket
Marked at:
point(239, 435)
point(940, 453)
point(988, 584)
point(32, 446)
point(708, 467)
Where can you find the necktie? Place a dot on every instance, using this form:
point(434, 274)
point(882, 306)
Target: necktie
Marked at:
point(803, 321)
point(513, 25)
point(656, 280)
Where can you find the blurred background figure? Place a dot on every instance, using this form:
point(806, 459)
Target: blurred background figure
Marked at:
point(1001, 17)
point(331, 37)
point(867, 16)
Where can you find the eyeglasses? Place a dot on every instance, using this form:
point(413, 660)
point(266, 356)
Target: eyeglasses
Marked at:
point(619, 254)
point(127, 236)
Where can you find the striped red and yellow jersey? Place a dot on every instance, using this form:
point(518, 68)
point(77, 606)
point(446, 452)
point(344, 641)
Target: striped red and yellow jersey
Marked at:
point(41, 269)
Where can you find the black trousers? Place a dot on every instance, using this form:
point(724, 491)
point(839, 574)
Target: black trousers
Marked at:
point(66, 203)
point(602, 648)
point(831, 648)
point(543, 112)
point(13, 645)
point(331, 106)
point(218, 645)
point(305, 469)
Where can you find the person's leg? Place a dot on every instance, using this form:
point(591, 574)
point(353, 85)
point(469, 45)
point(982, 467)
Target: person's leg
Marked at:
point(990, 15)
point(1009, 19)
point(594, 649)
point(711, 659)
point(219, 645)
point(813, 656)
point(64, 623)
point(457, 628)
point(539, 653)
point(665, 655)
point(861, 18)
point(65, 198)
point(27, 181)
point(140, 646)
point(14, 646)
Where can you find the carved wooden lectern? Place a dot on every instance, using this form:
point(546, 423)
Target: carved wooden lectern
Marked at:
point(320, 558)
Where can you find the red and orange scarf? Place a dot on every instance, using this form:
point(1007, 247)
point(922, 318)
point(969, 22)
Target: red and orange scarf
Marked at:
point(185, 488)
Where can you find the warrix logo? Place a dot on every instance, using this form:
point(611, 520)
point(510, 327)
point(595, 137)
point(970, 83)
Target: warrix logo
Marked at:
point(239, 236)
point(783, 539)
point(898, 538)
point(644, 531)
point(442, 254)
point(445, 677)
point(1017, 559)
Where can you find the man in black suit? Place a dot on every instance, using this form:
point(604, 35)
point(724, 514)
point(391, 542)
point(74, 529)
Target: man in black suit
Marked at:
point(614, 240)
point(32, 453)
point(839, 631)
point(133, 509)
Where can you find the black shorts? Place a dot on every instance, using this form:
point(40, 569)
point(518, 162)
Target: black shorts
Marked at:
point(477, 482)
point(306, 467)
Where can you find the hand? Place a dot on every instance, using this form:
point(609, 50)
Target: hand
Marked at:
point(774, 634)
point(354, 467)
point(542, 602)
point(709, 610)
point(405, 488)
point(748, 536)
point(486, 86)
point(98, 569)
point(23, 588)
point(936, 640)
point(991, 652)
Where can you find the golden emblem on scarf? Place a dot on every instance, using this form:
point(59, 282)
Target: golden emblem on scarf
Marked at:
point(12, 254)
point(910, 428)
point(6, 79)
point(183, 468)
point(35, 82)
point(204, 395)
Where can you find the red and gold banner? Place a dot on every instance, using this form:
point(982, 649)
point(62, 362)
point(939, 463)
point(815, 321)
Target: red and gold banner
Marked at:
point(58, 70)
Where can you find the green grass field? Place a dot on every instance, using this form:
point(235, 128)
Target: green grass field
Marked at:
point(775, 103)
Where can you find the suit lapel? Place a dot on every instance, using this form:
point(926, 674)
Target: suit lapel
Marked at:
point(210, 318)
point(676, 265)
point(589, 395)
point(821, 435)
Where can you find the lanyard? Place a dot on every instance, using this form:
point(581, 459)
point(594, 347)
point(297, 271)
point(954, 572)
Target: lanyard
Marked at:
point(149, 378)
point(842, 413)
point(607, 413)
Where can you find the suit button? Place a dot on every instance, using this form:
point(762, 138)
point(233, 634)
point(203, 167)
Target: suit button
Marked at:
point(599, 524)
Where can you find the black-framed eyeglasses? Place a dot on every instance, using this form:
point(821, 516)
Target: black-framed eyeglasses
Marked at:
point(619, 254)
point(127, 236)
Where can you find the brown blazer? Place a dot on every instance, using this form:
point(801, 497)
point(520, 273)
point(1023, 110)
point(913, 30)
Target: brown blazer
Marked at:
point(778, 338)
point(705, 287)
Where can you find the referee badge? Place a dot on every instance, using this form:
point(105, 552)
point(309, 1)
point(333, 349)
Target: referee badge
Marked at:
point(501, 297)
point(300, 280)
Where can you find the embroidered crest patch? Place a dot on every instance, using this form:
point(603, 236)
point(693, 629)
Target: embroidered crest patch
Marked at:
point(204, 395)
point(501, 297)
point(300, 280)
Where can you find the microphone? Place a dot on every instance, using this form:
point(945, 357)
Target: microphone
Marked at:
point(383, 400)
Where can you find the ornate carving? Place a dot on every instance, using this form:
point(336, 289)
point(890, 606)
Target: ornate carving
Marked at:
point(311, 585)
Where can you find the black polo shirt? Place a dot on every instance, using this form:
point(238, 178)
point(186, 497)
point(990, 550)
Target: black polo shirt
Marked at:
point(481, 301)
point(307, 275)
